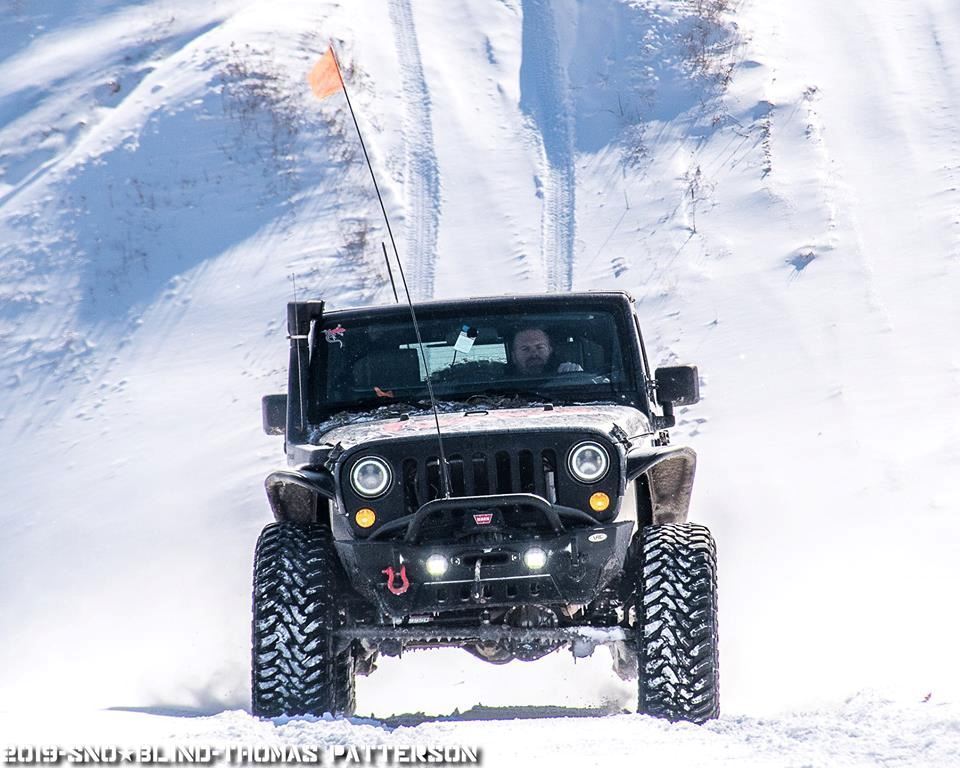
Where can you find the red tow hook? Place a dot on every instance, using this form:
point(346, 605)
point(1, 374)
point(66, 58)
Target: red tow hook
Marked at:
point(404, 581)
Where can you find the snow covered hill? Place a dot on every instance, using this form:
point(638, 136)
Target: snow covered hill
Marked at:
point(777, 184)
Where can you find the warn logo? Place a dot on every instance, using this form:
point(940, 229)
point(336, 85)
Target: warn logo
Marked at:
point(483, 519)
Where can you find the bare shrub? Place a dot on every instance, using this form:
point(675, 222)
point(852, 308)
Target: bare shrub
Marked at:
point(697, 191)
point(708, 40)
point(266, 116)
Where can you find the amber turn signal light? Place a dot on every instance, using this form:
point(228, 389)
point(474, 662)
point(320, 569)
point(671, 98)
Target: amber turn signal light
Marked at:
point(599, 502)
point(365, 517)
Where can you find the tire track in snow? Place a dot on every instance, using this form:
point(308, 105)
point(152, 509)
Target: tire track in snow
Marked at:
point(545, 98)
point(421, 175)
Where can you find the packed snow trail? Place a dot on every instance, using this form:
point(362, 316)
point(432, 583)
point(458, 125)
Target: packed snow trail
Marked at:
point(418, 249)
point(545, 98)
point(863, 732)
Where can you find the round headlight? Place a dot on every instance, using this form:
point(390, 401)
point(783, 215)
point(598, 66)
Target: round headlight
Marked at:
point(588, 462)
point(370, 477)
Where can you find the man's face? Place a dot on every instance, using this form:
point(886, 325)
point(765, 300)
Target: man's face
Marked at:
point(531, 350)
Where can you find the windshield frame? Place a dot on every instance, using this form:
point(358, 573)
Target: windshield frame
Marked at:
point(632, 390)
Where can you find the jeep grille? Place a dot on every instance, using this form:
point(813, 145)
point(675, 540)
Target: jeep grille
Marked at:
point(481, 474)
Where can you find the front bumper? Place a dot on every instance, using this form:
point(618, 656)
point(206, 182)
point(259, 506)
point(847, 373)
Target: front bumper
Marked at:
point(579, 564)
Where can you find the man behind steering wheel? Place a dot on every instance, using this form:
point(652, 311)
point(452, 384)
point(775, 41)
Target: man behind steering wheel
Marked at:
point(531, 353)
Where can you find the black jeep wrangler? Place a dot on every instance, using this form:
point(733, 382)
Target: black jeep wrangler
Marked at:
point(496, 476)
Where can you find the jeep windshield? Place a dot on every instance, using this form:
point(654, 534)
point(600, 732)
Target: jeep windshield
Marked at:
point(479, 352)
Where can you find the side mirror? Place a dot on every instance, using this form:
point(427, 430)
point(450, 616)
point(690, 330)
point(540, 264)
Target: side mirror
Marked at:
point(678, 384)
point(274, 414)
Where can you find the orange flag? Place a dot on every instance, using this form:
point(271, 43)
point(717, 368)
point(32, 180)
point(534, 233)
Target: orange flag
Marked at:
point(324, 78)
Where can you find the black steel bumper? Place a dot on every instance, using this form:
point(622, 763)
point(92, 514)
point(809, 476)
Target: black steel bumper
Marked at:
point(579, 563)
point(412, 524)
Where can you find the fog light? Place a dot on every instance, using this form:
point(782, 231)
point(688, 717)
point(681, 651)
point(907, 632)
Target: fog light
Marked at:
point(534, 558)
point(436, 565)
point(599, 502)
point(365, 517)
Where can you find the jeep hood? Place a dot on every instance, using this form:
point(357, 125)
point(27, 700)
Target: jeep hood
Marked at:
point(567, 418)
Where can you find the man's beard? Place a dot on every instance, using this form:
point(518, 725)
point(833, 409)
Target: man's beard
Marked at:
point(536, 366)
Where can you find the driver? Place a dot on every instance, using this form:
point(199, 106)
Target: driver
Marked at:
point(532, 354)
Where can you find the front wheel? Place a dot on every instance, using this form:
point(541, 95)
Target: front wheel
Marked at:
point(297, 668)
point(675, 627)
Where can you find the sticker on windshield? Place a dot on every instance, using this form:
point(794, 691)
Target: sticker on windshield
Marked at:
point(465, 340)
point(332, 335)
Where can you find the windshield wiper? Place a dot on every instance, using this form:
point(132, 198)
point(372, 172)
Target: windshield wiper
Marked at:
point(370, 410)
point(508, 398)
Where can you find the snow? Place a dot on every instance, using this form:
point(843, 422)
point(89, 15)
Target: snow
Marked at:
point(777, 184)
point(861, 731)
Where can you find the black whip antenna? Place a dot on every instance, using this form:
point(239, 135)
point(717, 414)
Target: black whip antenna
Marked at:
point(444, 469)
point(390, 272)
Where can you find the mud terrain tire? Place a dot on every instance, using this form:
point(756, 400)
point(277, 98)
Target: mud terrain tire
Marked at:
point(296, 582)
point(675, 624)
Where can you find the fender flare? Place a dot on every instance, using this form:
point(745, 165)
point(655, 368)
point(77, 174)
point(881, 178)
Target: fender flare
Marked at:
point(294, 495)
point(669, 473)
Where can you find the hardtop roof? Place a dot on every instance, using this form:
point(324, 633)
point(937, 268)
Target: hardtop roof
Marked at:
point(535, 299)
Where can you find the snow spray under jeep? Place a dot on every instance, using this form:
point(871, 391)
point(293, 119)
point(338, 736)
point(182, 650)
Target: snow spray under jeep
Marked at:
point(490, 474)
